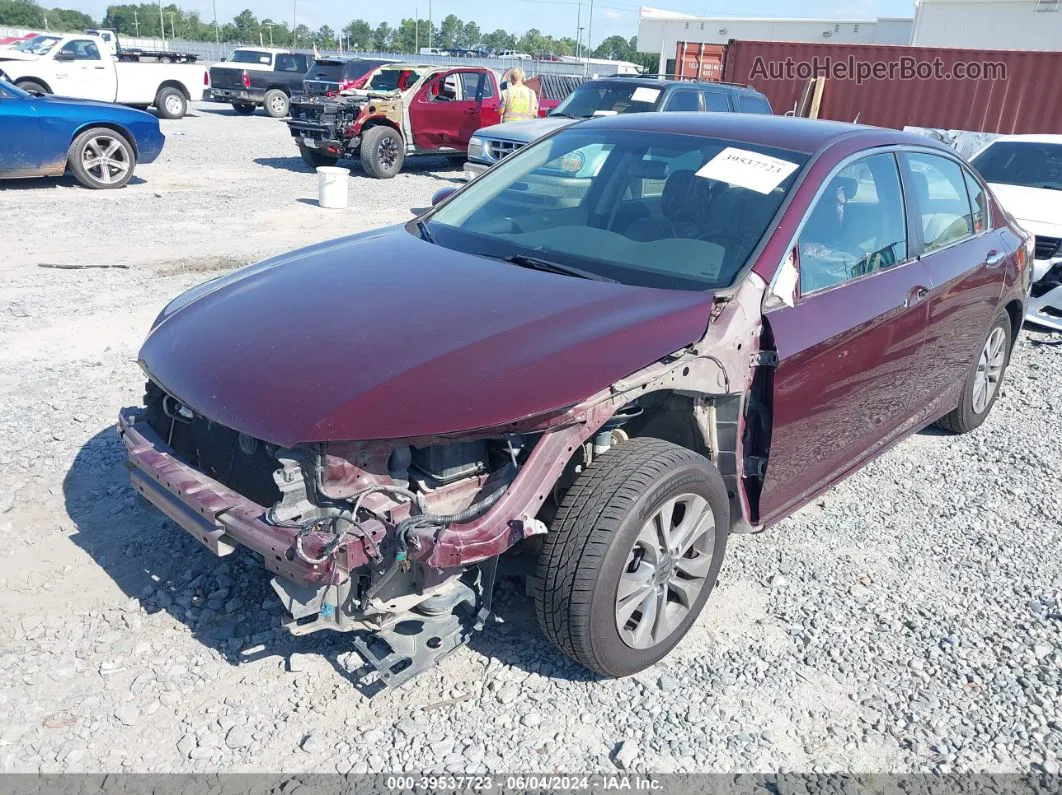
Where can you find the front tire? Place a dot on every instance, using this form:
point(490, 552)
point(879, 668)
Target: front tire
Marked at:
point(101, 158)
point(313, 158)
point(32, 85)
point(243, 108)
point(382, 152)
point(171, 103)
point(276, 103)
point(982, 385)
point(632, 556)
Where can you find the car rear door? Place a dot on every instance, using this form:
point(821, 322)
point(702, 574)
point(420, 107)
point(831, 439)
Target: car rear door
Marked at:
point(850, 345)
point(966, 261)
point(21, 149)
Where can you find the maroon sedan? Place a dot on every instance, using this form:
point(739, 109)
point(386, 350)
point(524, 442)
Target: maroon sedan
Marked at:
point(599, 358)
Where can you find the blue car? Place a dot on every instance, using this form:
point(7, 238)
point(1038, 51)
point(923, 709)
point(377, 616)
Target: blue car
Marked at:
point(101, 143)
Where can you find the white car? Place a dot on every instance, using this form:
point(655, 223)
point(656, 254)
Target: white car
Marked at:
point(519, 56)
point(1025, 174)
point(80, 66)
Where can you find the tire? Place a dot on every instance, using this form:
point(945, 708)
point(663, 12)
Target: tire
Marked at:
point(243, 108)
point(165, 59)
point(171, 103)
point(94, 145)
point(32, 85)
point(987, 369)
point(276, 103)
point(313, 158)
point(382, 152)
point(594, 541)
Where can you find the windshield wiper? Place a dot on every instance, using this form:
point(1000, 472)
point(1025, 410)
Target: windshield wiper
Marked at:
point(425, 233)
point(566, 115)
point(534, 263)
point(1051, 186)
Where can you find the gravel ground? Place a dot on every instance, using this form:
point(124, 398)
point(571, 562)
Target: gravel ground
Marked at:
point(909, 620)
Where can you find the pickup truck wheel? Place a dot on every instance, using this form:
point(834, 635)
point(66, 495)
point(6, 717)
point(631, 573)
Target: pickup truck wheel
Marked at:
point(32, 85)
point(243, 108)
point(981, 387)
point(382, 152)
point(171, 103)
point(632, 555)
point(313, 158)
point(101, 158)
point(276, 103)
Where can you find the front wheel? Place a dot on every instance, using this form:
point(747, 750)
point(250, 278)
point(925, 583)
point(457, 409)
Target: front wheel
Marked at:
point(171, 103)
point(382, 152)
point(276, 103)
point(101, 158)
point(982, 385)
point(632, 555)
point(32, 86)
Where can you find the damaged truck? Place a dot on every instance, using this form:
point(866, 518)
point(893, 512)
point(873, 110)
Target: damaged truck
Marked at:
point(401, 111)
point(589, 379)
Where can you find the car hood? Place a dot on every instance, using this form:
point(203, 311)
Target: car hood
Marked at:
point(384, 336)
point(1034, 208)
point(525, 131)
point(17, 55)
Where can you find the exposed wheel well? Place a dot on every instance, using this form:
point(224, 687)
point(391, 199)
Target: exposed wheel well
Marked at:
point(380, 121)
point(285, 89)
point(1016, 319)
point(107, 126)
point(174, 84)
point(36, 80)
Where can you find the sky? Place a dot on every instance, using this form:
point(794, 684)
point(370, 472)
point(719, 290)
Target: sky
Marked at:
point(551, 17)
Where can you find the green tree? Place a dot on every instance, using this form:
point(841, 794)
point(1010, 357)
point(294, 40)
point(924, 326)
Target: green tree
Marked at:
point(450, 31)
point(615, 48)
point(325, 38)
point(358, 34)
point(383, 37)
point(471, 35)
point(500, 40)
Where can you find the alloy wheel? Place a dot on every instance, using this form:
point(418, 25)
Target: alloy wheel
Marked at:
point(388, 153)
point(989, 369)
point(665, 571)
point(105, 159)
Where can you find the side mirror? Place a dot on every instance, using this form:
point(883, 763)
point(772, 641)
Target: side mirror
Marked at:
point(442, 194)
point(64, 56)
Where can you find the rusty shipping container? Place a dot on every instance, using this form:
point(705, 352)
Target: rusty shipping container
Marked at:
point(695, 60)
point(894, 86)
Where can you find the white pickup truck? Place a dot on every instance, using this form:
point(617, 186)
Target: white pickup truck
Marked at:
point(81, 66)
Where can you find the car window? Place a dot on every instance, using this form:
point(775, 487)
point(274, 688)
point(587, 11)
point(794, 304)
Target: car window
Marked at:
point(249, 56)
point(941, 198)
point(581, 199)
point(856, 227)
point(289, 63)
point(979, 202)
point(753, 103)
point(716, 100)
point(607, 98)
point(1034, 164)
point(470, 82)
point(683, 100)
point(81, 50)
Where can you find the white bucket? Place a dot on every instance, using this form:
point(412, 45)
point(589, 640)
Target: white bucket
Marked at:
point(332, 187)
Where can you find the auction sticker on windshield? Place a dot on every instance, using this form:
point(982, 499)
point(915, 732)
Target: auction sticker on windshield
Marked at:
point(752, 170)
point(645, 94)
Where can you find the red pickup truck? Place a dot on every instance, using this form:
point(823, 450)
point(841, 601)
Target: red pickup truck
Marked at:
point(403, 110)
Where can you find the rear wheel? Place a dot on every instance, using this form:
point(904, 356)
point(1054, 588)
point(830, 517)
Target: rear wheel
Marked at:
point(171, 103)
point(313, 158)
point(276, 103)
point(243, 108)
point(382, 152)
point(982, 385)
point(101, 158)
point(32, 85)
point(632, 555)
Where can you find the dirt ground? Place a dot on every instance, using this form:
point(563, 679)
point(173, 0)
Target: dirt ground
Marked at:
point(909, 620)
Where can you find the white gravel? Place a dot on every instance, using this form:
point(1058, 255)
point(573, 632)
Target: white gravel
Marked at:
point(909, 620)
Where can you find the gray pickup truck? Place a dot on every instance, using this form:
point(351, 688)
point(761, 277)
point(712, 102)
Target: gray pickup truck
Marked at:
point(253, 77)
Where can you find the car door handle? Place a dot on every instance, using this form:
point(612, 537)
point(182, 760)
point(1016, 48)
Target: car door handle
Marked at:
point(914, 296)
point(99, 67)
point(994, 258)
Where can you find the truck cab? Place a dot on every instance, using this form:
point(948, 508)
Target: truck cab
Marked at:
point(253, 77)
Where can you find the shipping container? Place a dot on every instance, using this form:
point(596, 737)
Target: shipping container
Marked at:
point(895, 86)
point(695, 60)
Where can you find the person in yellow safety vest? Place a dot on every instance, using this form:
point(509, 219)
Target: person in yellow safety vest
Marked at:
point(518, 102)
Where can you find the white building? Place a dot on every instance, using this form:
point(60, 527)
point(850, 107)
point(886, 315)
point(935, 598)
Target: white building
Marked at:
point(988, 24)
point(660, 31)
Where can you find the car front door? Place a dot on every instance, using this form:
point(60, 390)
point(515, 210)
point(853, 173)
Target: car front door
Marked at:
point(80, 71)
point(965, 259)
point(21, 150)
point(849, 340)
point(438, 113)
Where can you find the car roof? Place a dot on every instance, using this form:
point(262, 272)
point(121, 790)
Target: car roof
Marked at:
point(1030, 138)
point(783, 132)
point(655, 81)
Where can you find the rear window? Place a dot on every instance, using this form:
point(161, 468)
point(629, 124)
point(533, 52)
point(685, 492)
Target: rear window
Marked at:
point(335, 70)
point(250, 56)
point(393, 79)
point(1032, 164)
point(599, 98)
point(753, 103)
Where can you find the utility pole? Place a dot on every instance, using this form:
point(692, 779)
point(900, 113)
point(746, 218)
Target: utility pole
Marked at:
point(294, 41)
point(589, 38)
point(578, 28)
point(579, 41)
point(270, 26)
point(217, 30)
point(136, 23)
point(162, 25)
point(429, 26)
point(416, 30)
point(173, 30)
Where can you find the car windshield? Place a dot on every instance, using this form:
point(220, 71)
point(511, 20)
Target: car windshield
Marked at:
point(249, 56)
point(38, 45)
point(1028, 163)
point(643, 208)
point(600, 98)
point(393, 79)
